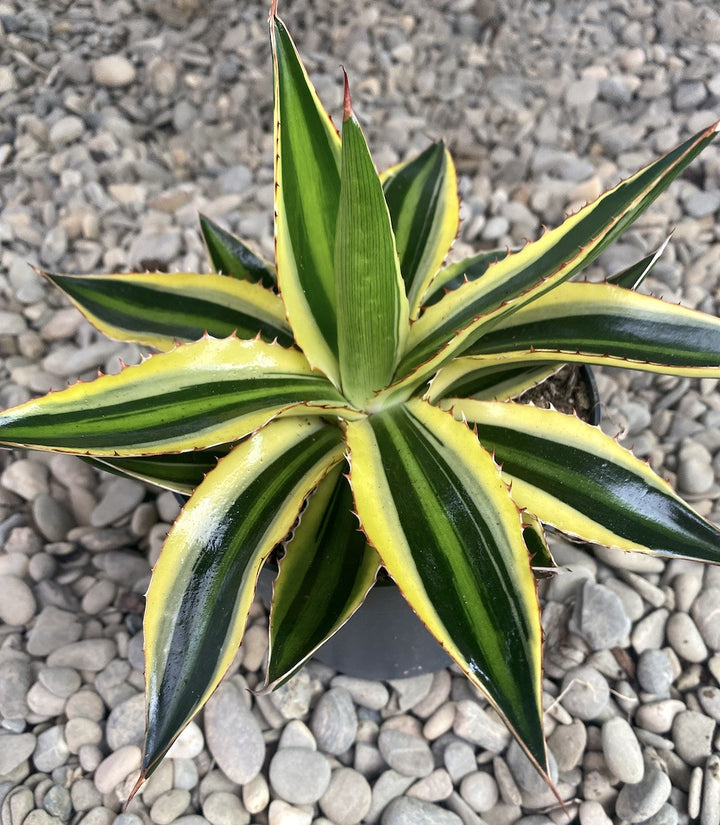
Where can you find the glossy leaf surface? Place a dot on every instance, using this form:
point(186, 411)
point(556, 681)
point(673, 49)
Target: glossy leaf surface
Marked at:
point(159, 309)
point(231, 256)
point(210, 392)
point(204, 582)
point(432, 503)
point(578, 479)
point(325, 573)
point(307, 193)
point(422, 197)
point(464, 315)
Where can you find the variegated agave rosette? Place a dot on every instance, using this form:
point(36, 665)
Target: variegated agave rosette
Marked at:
point(358, 378)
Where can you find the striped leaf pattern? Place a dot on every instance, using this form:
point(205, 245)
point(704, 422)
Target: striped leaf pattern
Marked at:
point(231, 256)
point(421, 195)
point(573, 476)
point(159, 309)
point(432, 503)
point(463, 316)
point(198, 395)
point(307, 195)
point(326, 571)
point(204, 582)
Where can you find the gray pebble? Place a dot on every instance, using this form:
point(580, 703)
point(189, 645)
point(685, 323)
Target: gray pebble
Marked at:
point(655, 672)
point(347, 798)
point(15, 680)
point(459, 759)
point(126, 723)
point(638, 802)
point(710, 807)
point(386, 787)
point(113, 70)
point(15, 748)
point(116, 767)
point(57, 802)
point(479, 789)
point(233, 734)
point(26, 478)
point(658, 717)
point(434, 787)
point(334, 721)
point(364, 692)
point(474, 725)
point(567, 743)
point(524, 771)
point(622, 751)
point(51, 750)
point(408, 811)
point(151, 252)
point(88, 654)
point(408, 755)
point(121, 497)
point(685, 638)
point(17, 605)
point(169, 806)
point(692, 733)
point(222, 808)
point(412, 690)
point(599, 617)
point(51, 518)
point(299, 776)
point(704, 613)
point(585, 692)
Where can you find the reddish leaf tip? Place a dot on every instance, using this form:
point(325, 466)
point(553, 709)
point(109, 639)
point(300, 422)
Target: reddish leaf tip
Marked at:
point(273, 9)
point(347, 102)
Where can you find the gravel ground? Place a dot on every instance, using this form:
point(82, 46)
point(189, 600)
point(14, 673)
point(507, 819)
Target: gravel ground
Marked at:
point(118, 122)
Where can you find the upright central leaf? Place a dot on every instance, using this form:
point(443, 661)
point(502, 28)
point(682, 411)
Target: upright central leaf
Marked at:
point(307, 186)
point(372, 309)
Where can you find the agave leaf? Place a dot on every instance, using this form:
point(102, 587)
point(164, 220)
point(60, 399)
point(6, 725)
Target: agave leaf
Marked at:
point(635, 274)
point(432, 503)
point(179, 472)
point(372, 310)
point(196, 396)
point(324, 576)
point(603, 323)
point(489, 377)
point(231, 256)
point(578, 479)
point(456, 274)
point(160, 309)
point(204, 582)
point(422, 197)
point(449, 327)
point(307, 193)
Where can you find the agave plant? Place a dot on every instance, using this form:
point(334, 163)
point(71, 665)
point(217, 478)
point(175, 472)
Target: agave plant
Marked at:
point(359, 379)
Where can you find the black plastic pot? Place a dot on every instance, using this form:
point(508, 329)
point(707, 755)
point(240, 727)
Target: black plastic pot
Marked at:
point(384, 639)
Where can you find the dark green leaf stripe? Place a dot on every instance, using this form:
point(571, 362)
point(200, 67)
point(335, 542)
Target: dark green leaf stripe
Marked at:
point(635, 274)
point(180, 472)
point(308, 188)
point(470, 269)
point(210, 392)
point(202, 592)
point(590, 474)
point(324, 576)
point(421, 208)
point(457, 322)
point(158, 309)
point(462, 540)
point(607, 320)
point(487, 380)
point(230, 256)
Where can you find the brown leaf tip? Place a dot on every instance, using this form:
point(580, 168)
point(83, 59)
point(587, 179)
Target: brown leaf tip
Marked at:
point(347, 102)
